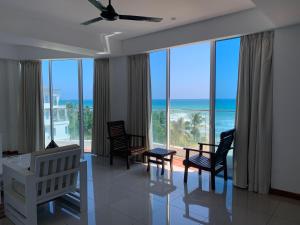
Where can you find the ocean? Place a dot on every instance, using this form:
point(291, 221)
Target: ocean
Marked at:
point(177, 104)
point(194, 104)
point(183, 108)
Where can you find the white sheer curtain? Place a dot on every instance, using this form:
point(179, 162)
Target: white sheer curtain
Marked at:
point(139, 96)
point(253, 144)
point(101, 108)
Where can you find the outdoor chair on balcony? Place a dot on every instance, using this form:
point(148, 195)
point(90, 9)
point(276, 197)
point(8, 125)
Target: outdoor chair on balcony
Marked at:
point(215, 162)
point(123, 144)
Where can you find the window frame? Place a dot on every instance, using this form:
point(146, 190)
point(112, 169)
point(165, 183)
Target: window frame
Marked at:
point(212, 94)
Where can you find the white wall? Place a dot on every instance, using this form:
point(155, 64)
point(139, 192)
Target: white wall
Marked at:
point(118, 90)
point(286, 118)
point(8, 51)
point(250, 21)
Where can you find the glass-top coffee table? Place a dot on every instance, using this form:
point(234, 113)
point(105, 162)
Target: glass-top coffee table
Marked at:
point(161, 155)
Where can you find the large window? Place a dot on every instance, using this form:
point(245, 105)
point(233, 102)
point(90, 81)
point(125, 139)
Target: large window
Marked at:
point(65, 100)
point(68, 101)
point(87, 81)
point(227, 60)
point(189, 95)
point(192, 103)
point(158, 65)
point(46, 93)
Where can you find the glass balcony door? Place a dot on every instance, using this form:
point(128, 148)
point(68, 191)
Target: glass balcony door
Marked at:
point(227, 60)
point(189, 96)
point(158, 67)
point(68, 101)
point(65, 101)
point(87, 82)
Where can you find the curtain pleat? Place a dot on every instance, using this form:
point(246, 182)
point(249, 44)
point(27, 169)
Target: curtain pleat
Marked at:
point(32, 107)
point(101, 108)
point(139, 96)
point(10, 88)
point(253, 143)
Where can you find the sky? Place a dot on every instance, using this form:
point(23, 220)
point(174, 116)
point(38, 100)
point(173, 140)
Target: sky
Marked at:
point(189, 72)
point(65, 77)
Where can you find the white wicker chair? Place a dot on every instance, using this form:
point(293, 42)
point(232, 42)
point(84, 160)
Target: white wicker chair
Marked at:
point(52, 174)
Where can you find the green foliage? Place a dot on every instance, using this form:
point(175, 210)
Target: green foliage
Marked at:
point(183, 132)
point(87, 122)
point(72, 112)
point(159, 126)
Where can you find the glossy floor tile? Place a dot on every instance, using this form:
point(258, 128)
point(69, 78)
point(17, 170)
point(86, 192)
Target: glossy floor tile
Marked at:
point(135, 197)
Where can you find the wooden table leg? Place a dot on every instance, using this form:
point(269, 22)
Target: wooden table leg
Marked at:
point(148, 159)
point(163, 166)
point(171, 163)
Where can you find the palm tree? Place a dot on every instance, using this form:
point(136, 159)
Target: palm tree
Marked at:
point(179, 133)
point(196, 123)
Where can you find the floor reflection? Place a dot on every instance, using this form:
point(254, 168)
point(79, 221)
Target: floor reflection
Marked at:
point(134, 197)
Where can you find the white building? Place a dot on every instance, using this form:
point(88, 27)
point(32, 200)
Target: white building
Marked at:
point(60, 118)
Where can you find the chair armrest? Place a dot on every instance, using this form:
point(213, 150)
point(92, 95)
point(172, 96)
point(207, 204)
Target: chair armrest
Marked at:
point(143, 138)
point(16, 173)
point(134, 135)
point(208, 144)
point(200, 151)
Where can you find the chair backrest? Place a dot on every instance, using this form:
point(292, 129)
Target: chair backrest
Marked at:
point(117, 135)
point(56, 170)
point(226, 139)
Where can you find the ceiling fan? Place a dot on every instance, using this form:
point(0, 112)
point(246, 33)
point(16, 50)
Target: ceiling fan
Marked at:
point(109, 13)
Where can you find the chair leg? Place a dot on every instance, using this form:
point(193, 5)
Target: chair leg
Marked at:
point(111, 159)
point(185, 174)
point(199, 171)
point(225, 171)
point(148, 162)
point(128, 162)
point(212, 180)
point(162, 166)
point(143, 158)
point(32, 217)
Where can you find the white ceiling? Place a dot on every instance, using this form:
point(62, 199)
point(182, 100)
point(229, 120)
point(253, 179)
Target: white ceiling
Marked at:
point(73, 12)
point(54, 25)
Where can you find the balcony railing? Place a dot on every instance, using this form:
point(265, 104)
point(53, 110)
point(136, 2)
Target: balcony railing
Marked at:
point(188, 127)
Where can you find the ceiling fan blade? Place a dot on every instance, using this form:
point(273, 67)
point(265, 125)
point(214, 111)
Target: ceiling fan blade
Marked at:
point(92, 21)
point(98, 5)
point(140, 18)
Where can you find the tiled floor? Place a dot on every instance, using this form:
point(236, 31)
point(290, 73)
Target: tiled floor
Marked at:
point(134, 197)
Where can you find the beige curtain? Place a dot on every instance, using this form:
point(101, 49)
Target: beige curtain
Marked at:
point(32, 116)
point(253, 144)
point(139, 96)
point(10, 88)
point(101, 108)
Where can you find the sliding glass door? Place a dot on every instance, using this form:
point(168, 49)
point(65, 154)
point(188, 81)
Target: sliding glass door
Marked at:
point(87, 81)
point(189, 96)
point(227, 60)
point(194, 93)
point(65, 100)
point(158, 67)
point(46, 95)
point(68, 88)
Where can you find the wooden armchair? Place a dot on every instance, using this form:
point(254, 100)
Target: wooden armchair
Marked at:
point(215, 163)
point(123, 144)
